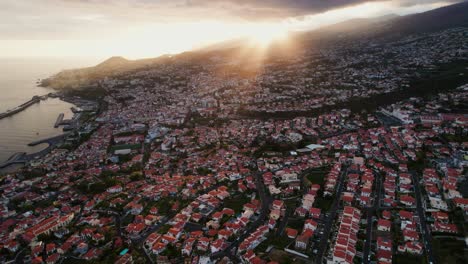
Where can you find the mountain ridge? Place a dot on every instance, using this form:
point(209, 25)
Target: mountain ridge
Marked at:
point(385, 26)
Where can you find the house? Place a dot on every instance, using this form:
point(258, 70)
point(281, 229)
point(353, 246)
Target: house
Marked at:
point(384, 243)
point(153, 211)
point(218, 245)
point(277, 205)
point(411, 247)
point(203, 243)
point(438, 203)
point(224, 234)
point(384, 256)
point(291, 233)
point(407, 200)
point(461, 203)
point(410, 235)
point(301, 242)
point(301, 211)
point(310, 224)
point(444, 228)
point(248, 256)
point(314, 212)
point(271, 223)
point(275, 214)
point(405, 215)
point(53, 258)
point(344, 248)
point(384, 225)
point(386, 215)
point(440, 216)
point(114, 189)
point(188, 246)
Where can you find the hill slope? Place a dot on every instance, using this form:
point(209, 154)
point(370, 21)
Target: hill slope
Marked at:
point(387, 26)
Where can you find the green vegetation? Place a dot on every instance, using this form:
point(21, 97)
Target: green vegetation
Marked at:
point(324, 203)
point(409, 259)
point(236, 202)
point(203, 171)
point(137, 176)
point(279, 242)
point(281, 256)
point(164, 205)
point(297, 224)
point(317, 176)
point(125, 146)
point(163, 229)
point(273, 147)
point(97, 187)
point(449, 251)
point(171, 251)
point(455, 138)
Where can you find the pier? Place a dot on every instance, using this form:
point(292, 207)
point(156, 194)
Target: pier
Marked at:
point(34, 100)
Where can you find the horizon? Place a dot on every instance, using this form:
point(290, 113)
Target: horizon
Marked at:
point(132, 31)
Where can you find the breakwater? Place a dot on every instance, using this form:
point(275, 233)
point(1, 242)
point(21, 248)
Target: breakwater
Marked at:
point(23, 157)
point(34, 100)
point(59, 120)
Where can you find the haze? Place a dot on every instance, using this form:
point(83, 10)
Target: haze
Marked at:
point(145, 28)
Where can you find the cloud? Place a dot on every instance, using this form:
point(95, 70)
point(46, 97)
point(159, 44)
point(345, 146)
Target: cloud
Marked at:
point(90, 19)
point(251, 10)
point(275, 8)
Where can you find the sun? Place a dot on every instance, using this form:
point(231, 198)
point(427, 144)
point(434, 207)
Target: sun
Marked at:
point(265, 34)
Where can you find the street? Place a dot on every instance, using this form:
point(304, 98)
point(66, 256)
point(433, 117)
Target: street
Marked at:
point(426, 233)
point(371, 211)
point(331, 218)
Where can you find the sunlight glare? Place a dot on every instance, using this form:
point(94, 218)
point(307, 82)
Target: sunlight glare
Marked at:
point(265, 34)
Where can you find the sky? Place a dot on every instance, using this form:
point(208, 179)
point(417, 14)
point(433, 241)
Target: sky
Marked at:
point(149, 28)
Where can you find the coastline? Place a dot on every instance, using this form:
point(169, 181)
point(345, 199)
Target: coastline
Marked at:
point(19, 160)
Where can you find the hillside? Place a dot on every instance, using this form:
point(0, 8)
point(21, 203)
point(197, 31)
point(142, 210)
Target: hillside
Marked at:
point(390, 26)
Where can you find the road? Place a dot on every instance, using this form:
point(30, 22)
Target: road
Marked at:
point(371, 211)
point(426, 233)
point(331, 218)
point(266, 201)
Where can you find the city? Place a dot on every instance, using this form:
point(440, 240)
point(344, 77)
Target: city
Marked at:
point(354, 151)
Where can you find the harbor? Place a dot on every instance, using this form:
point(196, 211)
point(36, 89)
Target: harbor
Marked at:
point(66, 119)
point(23, 157)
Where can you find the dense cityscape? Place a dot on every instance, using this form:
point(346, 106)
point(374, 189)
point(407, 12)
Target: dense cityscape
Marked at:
point(354, 151)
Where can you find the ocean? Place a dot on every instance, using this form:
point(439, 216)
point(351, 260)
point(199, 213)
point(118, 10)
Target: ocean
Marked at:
point(18, 77)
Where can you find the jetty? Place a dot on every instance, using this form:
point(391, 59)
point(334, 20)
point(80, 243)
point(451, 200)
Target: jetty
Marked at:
point(35, 99)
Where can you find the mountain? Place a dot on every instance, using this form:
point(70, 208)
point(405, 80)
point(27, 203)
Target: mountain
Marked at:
point(79, 78)
point(438, 19)
point(113, 62)
point(353, 25)
point(390, 26)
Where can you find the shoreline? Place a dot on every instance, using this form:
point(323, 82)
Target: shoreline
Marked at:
point(21, 158)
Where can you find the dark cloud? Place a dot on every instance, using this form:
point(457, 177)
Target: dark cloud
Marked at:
point(274, 8)
point(277, 9)
point(248, 9)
